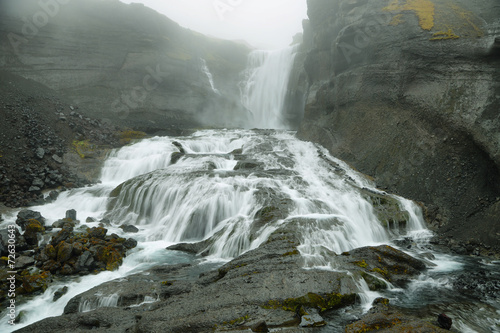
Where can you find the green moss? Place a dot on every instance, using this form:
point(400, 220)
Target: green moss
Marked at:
point(373, 283)
point(128, 136)
point(167, 283)
point(361, 263)
point(382, 272)
point(83, 147)
point(35, 282)
point(291, 253)
point(237, 321)
point(312, 300)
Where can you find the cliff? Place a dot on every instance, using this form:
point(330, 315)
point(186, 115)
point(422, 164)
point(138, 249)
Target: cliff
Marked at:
point(125, 63)
point(408, 91)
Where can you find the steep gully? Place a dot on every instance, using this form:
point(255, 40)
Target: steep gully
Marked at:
point(269, 228)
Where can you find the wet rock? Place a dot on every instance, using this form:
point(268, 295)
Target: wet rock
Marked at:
point(384, 318)
point(23, 262)
point(25, 215)
point(130, 243)
point(59, 293)
point(77, 248)
point(261, 326)
point(71, 214)
point(238, 151)
point(175, 157)
point(312, 319)
point(386, 262)
point(97, 232)
point(64, 234)
point(444, 321)
point(35, 282)
point(85, 262)
point(64, 252)
point(51, 266)
point(194, 248)
point(52, 196)
point(50, 252)
point(129, 228)
point(67, 270)
point(179, 146)
point(247, 165)
point(33, 230)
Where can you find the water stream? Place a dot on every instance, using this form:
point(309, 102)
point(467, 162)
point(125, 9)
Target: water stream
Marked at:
point(208, 195)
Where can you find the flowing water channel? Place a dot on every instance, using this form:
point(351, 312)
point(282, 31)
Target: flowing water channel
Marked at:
point(214, 191)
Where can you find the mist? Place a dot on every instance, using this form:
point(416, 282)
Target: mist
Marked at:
point(261, 23)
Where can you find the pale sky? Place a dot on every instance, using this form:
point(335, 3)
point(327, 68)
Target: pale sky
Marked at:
point(262, 23)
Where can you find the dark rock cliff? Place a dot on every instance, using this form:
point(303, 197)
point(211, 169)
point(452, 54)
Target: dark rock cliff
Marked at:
point(126, 63)
point(408, 91)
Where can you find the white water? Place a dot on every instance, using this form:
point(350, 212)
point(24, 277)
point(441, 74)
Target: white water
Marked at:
point(188, 201)
point(209, 75)
point(265, 86)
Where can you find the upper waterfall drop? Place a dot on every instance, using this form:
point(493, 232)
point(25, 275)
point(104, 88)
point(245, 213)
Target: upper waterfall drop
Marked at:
point(265, 86)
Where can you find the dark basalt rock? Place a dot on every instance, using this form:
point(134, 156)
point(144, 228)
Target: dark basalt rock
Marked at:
point(261, 289)
point(24, 216)
point(413, 105)
point(129, 228)
point(444, 321)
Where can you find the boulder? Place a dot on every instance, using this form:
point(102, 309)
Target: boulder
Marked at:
point(25, 215)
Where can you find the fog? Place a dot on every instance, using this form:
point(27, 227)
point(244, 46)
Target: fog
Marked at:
point(262, 23)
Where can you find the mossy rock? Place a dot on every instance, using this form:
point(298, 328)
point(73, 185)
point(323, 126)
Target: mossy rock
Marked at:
point(35, 282)
point(373, 283)
point(129, 136)
point(312, 300)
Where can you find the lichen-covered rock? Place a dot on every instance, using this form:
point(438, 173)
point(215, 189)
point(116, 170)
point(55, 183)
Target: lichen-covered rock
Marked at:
point(25, 216)
point(35, 282)
point(33, 228)
point(64, 252)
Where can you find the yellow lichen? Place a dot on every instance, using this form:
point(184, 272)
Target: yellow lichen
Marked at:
point(361, 263)
point(81, 147)
point(127, 136)
point(397, 20)
point(468, 17)
point(442, 35)
point(424, 9)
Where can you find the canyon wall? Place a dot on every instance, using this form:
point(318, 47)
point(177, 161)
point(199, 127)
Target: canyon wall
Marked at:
point(408, 92)
point(125, 63)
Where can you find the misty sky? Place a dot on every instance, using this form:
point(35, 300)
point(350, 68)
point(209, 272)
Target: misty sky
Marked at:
point(263, 23)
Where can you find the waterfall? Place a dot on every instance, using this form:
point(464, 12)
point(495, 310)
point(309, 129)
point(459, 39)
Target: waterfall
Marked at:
point(209, 75)
point(209, 195)
point(264, 89)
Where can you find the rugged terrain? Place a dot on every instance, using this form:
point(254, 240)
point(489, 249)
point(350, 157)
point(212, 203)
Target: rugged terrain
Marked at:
point(46, 143)
point(408, 92)
point(126, 63)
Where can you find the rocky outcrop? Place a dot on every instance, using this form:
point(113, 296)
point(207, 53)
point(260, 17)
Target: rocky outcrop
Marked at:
point(126, 63)
point(408, 92)
point(263, 288)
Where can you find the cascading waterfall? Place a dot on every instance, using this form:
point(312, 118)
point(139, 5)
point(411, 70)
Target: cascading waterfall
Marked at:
point(209, 195)
point(264, 89)
point(213, 194)
point(209, 75)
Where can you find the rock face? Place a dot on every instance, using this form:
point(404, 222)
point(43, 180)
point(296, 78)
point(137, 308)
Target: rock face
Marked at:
point(408, 92)
point(263, 289)
point(126, 63)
